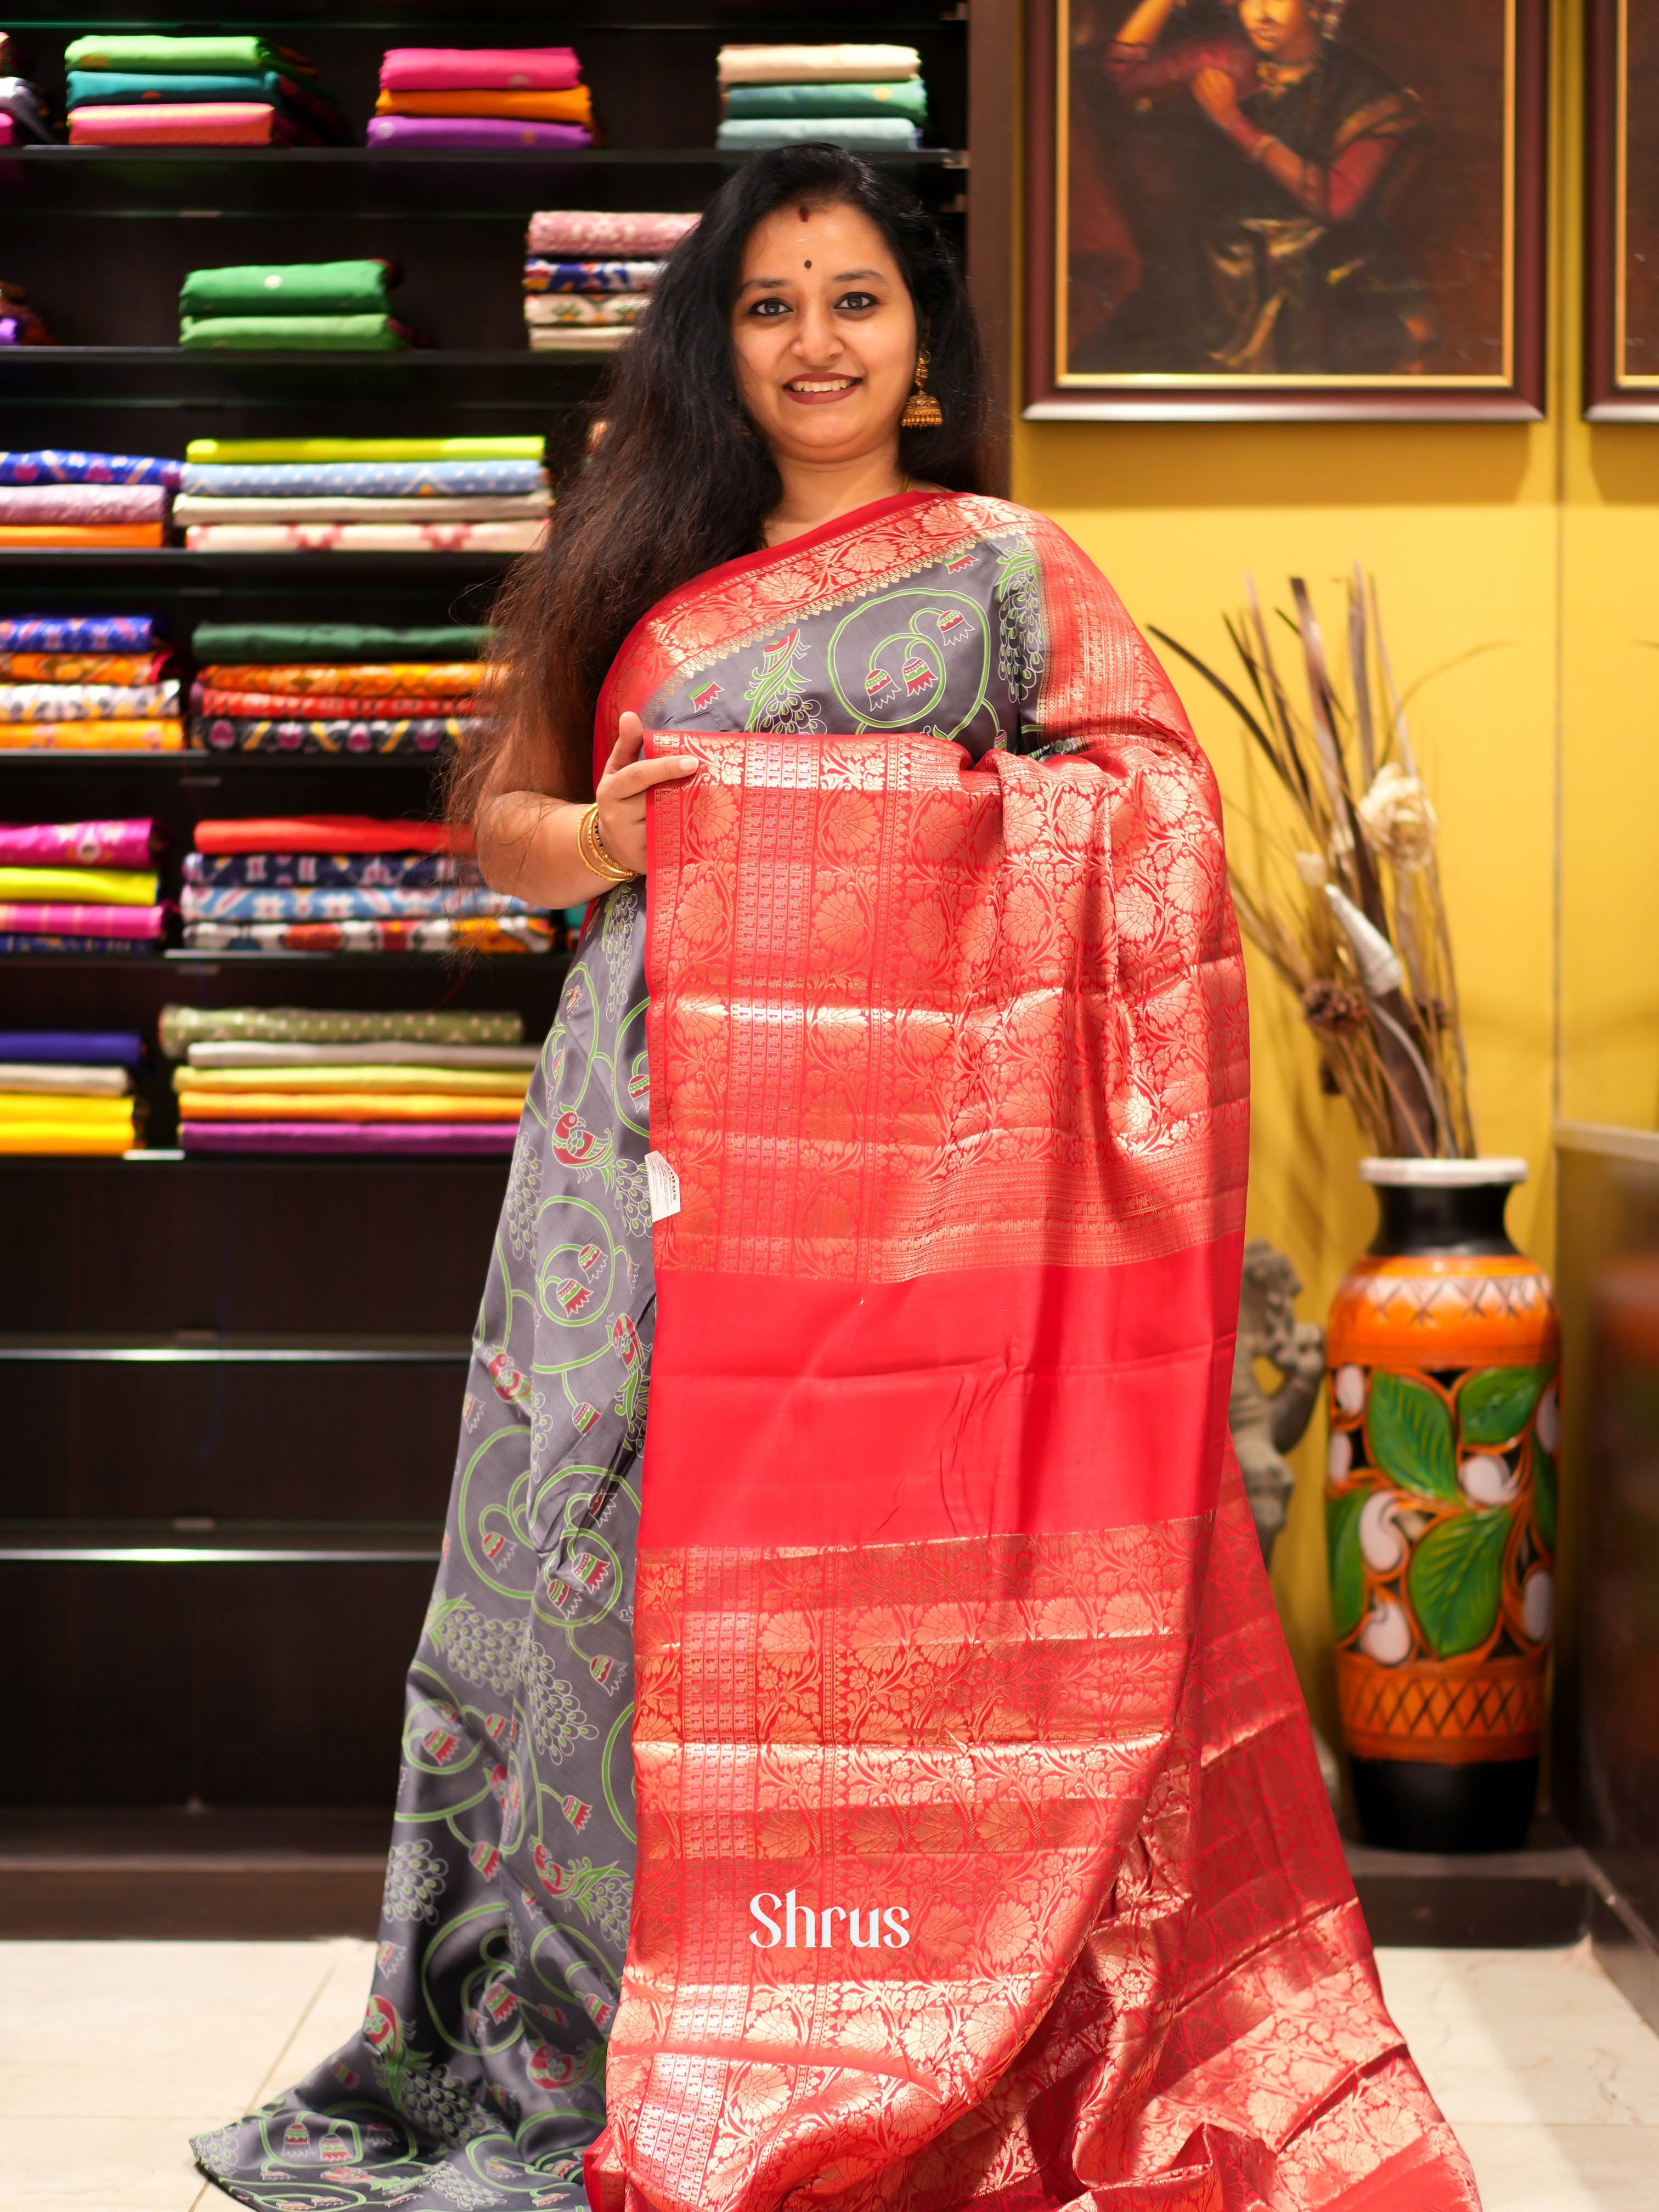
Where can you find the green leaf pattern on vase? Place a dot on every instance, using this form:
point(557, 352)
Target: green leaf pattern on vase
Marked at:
point(1409, 1427)
point(1494, 1404)
point(1456, 1580)
point(1347, 1566)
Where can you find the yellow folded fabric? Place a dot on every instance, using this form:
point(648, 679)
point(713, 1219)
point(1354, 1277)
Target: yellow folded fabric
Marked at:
point(112, 736)
point(512, 447)
point(575, 106)
point(196, 1105)
point(81, 886)
point(455, 1082)
point(60, 1136)
point(81, 1113)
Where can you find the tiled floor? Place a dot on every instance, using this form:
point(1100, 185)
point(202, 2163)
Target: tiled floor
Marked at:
point(111, 2054)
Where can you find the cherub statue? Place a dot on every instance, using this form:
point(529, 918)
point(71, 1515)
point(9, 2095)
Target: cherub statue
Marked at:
point(1264, 1426)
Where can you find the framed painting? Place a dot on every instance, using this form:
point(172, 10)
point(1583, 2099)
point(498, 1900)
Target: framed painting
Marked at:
point(1621, 255)
point(1288, 209)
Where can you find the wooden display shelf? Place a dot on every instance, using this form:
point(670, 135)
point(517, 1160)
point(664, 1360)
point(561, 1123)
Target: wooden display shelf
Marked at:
point(202, 1347)
point(203, 1541)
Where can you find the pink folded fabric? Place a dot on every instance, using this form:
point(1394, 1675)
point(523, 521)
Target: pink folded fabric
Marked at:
point(474, 131)
point(50, 918)
point(476, 1136)
point(84, 502)
point(480, 69)
point(364, 537)
point(596, 233)
point(77, 844)
point(183, 122)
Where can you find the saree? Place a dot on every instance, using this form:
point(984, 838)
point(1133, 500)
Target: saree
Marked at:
point(981, 1854)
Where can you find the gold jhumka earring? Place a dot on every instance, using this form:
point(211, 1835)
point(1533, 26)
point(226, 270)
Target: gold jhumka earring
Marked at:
point(921, 410)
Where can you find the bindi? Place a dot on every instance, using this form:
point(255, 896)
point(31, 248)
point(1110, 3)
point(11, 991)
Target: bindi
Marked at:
point(805, 264)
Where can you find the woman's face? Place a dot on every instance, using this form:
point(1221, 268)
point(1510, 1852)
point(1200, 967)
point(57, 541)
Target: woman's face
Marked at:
point(824, 334)
point(1282, 30)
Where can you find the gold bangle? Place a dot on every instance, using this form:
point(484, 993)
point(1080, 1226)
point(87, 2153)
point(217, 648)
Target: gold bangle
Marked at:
point(591, 848)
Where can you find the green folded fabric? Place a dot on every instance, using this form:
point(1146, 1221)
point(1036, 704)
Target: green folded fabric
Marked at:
point(288, 289)
point(909, 99)
point(147, 51)
point(124, 87)
point(511, 448)
point(254, 643)
point(292, 334)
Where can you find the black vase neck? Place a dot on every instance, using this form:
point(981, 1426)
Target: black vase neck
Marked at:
point(1463, 1221)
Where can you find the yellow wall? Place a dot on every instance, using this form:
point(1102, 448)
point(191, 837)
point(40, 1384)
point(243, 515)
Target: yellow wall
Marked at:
point(1541, 754)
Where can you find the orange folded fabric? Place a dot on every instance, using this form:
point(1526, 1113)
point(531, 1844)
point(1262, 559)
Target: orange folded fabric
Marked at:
point(80, 533)
point(115, 736)
point(81, 667)
point(345, 1106)
point(575, 106)
point(429, 679)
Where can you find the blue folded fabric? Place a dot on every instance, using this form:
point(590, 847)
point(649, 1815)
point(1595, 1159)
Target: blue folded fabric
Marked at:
point(860, 134)
point(327, 871)
point(361, 479)
point(119, 88)
point(54, 467)
point(312, 902)
point(73, 1047)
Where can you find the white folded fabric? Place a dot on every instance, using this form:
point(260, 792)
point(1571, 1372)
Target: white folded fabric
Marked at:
point(488, 507)
point(593, 308)
point(579, 337)
point(65, 1076)
point(87, 702)
point(830, 65)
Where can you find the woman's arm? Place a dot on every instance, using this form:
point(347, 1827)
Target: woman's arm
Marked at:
point(1336, 192)
point(1144, 27)
point(526, 839)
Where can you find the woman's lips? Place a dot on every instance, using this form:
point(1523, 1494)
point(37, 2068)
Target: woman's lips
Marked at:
point(819, 390)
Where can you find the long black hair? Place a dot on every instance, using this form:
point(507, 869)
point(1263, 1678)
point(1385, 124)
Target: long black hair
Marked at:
point(678, 480)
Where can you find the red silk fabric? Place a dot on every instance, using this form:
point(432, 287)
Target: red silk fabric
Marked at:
point(957, 1667)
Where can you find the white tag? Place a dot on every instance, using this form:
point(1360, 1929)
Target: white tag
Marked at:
point(664, 1187)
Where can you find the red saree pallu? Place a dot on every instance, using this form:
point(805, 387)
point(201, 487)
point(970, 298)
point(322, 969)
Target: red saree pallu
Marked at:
point(983, 1858)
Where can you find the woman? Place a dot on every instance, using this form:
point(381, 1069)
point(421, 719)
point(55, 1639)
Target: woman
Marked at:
point(1294, 262)
point(982, 1852)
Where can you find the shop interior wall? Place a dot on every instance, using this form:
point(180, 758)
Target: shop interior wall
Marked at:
point(1538, 542)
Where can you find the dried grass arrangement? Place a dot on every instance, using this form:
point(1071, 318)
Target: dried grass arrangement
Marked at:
point(1348, 908)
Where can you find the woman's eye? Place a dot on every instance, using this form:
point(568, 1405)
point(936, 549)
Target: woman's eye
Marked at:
point(858, 300)
point(771, 308)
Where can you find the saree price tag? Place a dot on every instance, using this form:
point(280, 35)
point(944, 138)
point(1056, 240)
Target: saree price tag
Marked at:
point(664, 1187)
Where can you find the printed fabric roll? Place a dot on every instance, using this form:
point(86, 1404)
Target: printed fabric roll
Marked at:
point(338, 643)
point(288, 287)
point(148, 52)
point(524, 933)
point(76, 633)
point(579, 337)
point(124, 844)
point(364, 480)
point(83, 503)
point(432, 679)
point(363, 902)
point(39, 536)
point(65, 1079)
point(82, 667)
point(87, 702)
point(543, 276)
point(292, 1059)
point(329, 871)
point(107, 1048)
point(460, 1139)
point(244, 733)
point(98, 737)
point(275, 1104)
point(492, 507)
point(203, 123)
point(105, 948)
point(364, 537)
point(330, 833)
point(909, 99)
point(229, 450)
point(293, 334)
point(180, 1027)
point(52, 466)
point(584, 310)
point(572, 105)
point(864, 134)
point(497, 69)
point(101, 886)
point(420, 133)
point(369, 1079)
point(53, 918)
point(581, 234)
point(814, 64)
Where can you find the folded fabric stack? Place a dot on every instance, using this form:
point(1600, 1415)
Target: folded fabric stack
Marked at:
point(68, 1091)
point(296, 306)
point(23, 109)
point(79, 887)
point(85, 499)
point(292, 1080)
point(487, 96)
point(143, 88)
point(364, 495)
point(870, 98)
point(345, 883)
point(19, 323)
point(335, 687)
point(95, 683)
point(588, 274)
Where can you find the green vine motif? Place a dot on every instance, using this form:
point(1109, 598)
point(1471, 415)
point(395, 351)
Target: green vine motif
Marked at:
point(904, 675)
point(776, 696)
point(1021, 646)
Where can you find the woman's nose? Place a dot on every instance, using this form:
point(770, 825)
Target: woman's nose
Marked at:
point(817, 338)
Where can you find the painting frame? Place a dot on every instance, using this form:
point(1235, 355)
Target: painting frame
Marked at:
point(1610, 392)
point(1054, 392)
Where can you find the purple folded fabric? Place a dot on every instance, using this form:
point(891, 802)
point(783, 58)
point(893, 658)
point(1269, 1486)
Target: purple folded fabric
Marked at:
point(480, 69)
point(76, 1048)
point(77, 844)
point(75, 633)
point(429, 130)
point(84, 502)
point(62, 918)
point(495, 1139)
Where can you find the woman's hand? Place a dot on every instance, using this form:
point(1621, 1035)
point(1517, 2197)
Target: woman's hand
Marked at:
point(621, 789)
point(1217, 94)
